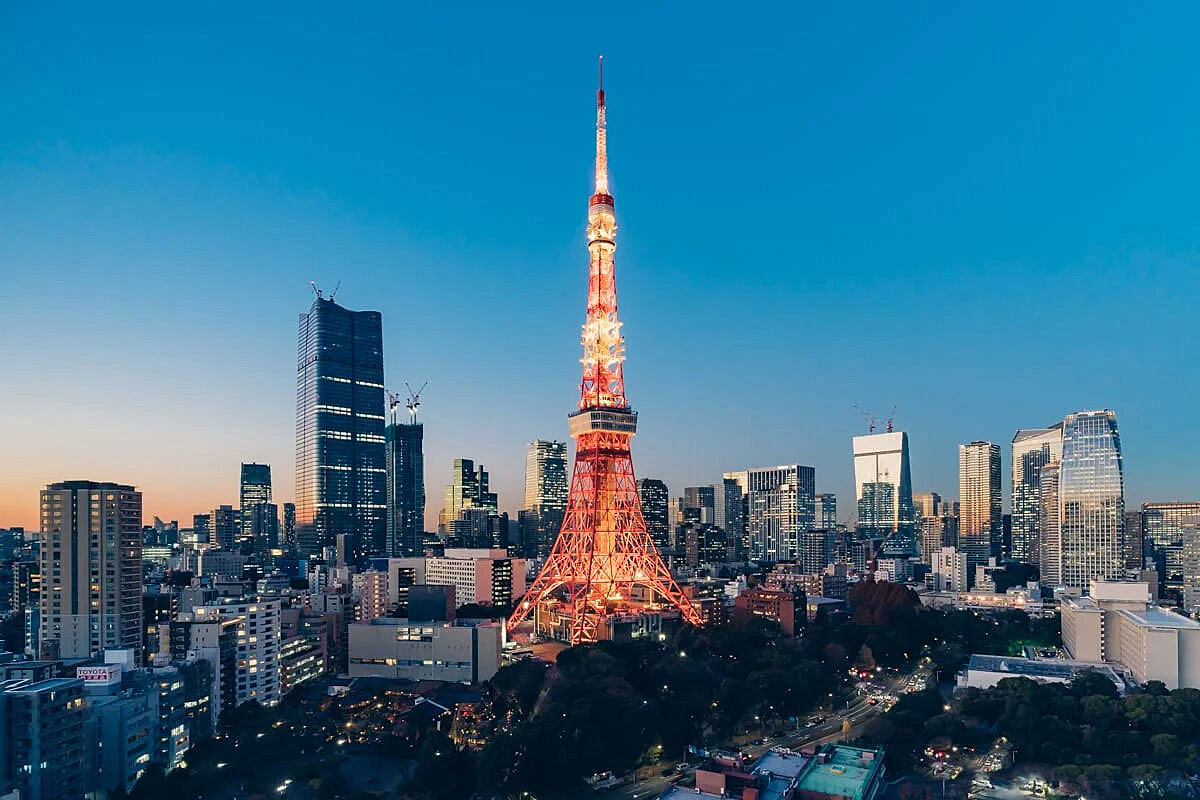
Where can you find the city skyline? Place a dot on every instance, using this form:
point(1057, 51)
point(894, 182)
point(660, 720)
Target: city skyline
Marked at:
point(167, 211)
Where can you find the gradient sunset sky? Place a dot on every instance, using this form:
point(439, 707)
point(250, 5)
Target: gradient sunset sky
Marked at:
point(984, 215)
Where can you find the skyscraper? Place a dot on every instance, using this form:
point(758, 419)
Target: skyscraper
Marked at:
point(468, 488)
point(654, 500)
point(883, 490)
point(741, 478)
point(1164, 525)
point(1049, 527)
point(255, 489)
point(225, 528)
point(405, 488)
point(1091, 499)
point(289, 528)
point(1032, 448)
point(729, 510)
point(546, 490)
point(341, 465)
point(782, 506)
point(701, 502)
point(826, 511)
point(927, 504)
point(980, 531)
point(91, 563)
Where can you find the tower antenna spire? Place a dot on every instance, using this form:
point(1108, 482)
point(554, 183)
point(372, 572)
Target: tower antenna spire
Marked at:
point(601, 138)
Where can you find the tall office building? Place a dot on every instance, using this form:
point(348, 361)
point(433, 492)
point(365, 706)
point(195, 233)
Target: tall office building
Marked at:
point(225, 527)
point(341, 464)
point(728, 510)
point(826, 511)
point(1049, 528)
point(261, 523)
point(1032, 448)
point(405, 489)
point(654, 500)
point(255, 488)
point(1134, 540)
point(545, 491)
point(1091, 499)
point(289, 528)
point(927, 504)
point(91, 565)
point(741, 478)
point(883, 490)
point(202, 528)
point(1164, 525)
point(980, 531)
point(468, 488)
point(782, 506)
point(699, 504)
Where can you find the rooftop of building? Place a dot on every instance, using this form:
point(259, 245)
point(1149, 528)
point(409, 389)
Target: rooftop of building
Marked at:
point(48, 685)
point(1055, 668)
point(682, 792)
point(780, 768)
point(1155, 617)
point(101, 485)
point(842, 771)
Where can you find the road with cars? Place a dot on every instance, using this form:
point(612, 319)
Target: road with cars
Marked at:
point(828, 730)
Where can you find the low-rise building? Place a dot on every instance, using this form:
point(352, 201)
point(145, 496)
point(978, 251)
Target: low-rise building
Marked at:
point(462, 650)
point(785, 608)
point(985, 671)
point(841, 772)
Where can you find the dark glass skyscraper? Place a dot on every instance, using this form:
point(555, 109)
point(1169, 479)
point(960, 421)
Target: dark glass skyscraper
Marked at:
point(405, 489)
point(341, 465)
point(653, 494)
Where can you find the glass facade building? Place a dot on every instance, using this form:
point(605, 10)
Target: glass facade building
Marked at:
point(255, 489)
point(1091, 499)
point(1166, 528)
point(405, 489)
point(341, 465)
point(883, 491)
point(1032, 449)
point(545, 492)
point(782, 507)
point(980, 526)
point(654, 496)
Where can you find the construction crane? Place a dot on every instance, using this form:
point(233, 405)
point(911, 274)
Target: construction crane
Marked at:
point(414, 400)
point(873, 421)
point(868, 417)
point(317, 291)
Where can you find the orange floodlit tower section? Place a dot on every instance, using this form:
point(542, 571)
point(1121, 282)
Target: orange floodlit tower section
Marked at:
point(603, 550)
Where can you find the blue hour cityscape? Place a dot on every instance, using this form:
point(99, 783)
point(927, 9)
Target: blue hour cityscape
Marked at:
point(844, 458)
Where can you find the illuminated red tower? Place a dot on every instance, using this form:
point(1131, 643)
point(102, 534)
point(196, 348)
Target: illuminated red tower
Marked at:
point(603, 550)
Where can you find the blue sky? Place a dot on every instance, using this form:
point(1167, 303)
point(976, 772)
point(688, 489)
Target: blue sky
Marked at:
point(983, 215)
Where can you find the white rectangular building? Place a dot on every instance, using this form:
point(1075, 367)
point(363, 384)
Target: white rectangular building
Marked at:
point(420, 650)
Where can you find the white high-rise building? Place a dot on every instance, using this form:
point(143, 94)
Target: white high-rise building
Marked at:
point(257, 646)
point(883, 490)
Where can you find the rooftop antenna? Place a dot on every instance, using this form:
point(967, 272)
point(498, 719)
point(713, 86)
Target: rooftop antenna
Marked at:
point(414, 401)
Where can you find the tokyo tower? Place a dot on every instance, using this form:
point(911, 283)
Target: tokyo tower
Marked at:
point(603, 550)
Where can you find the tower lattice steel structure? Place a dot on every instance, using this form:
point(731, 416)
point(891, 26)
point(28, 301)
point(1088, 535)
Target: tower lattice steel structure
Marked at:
point(603, 550)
